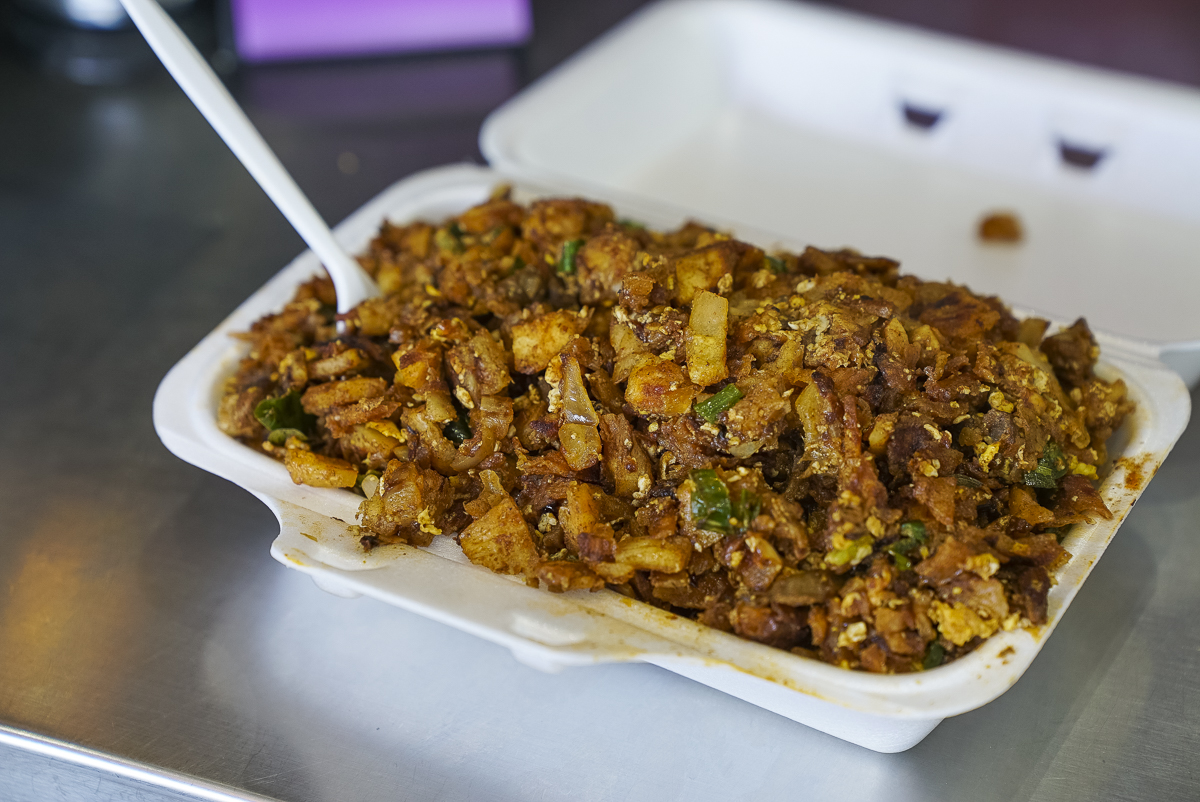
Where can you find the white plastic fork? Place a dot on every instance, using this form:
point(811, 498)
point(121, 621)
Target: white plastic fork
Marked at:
point(201, 84)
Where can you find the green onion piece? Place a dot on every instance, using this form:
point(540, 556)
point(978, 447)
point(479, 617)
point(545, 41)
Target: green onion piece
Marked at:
point(776, 264)
point(711, 408)
point(284, 412)
point(1040, 480)
point(457, 432)
point(447, 239)
point(279, 437)
point(626, 223)
point(711, 507)
point(1052, 466)
point(967, 481)
point(566, 260)
point(935, 656)
point(851, 551)
point(746, 508)
point(901, 548)
point(914, 530)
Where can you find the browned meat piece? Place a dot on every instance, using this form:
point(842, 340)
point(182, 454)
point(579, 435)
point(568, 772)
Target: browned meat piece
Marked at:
point(938, 497)
point(959, 314)
point(774, 625)
point(1072, 352)
point(477, 368)
point(320, 399)
point(235, 413)
point(408, 505)
point(499, 538)
point(625, 459)
point(560, 576)
point(802, 588)
point(342, 419)
point(1033, 587)
point(1078, 502)
point(947, 562)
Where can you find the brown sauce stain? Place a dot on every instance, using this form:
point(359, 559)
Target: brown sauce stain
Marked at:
point(1137, 472)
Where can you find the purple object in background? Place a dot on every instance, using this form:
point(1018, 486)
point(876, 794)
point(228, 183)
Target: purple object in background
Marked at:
point(276, 30)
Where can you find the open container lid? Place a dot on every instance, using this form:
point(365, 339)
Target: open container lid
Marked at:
point(826, 128)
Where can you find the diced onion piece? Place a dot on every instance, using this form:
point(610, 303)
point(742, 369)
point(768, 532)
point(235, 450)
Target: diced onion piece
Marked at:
point(708, 325)
point(577, 406)
point(668, 555)
point(580, 445)
point(578, 435)
point(489, 423)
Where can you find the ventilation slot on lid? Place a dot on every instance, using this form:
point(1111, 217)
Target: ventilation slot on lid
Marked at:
point(1083, 157)
point(922, 117)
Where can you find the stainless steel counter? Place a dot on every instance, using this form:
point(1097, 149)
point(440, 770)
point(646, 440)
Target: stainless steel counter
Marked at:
point(151, 649)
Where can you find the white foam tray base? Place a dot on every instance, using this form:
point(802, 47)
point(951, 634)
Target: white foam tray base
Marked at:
point(551, 632)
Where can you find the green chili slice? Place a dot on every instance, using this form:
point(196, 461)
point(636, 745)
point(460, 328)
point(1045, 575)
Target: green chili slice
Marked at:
point(851, 551)
point(935, 656)
point(1052, 466)
point(449, 238)
point(711, 507)
point(284, 412)
point(914, 535)
point(566, 260)
point(711, 408)
point(627, 223)
point(776, 264)
point(913, 530)
point(900, 551)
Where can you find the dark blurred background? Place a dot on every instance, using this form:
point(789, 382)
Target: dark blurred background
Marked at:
point(349, 127)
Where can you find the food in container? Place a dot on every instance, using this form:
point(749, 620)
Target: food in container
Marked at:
point(551, 631)
point(812, 451)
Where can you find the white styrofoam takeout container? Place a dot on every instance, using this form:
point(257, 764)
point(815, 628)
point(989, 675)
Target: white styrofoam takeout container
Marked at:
point(550, 632)
point(796, 119)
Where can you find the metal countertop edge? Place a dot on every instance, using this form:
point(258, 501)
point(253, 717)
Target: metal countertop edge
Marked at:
point(94, 759)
